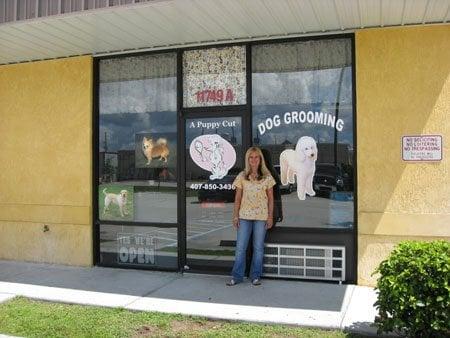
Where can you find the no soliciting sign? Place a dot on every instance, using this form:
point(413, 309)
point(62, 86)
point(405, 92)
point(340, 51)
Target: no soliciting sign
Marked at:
point(422, 148)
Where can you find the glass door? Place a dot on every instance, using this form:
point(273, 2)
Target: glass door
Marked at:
point(214, 157)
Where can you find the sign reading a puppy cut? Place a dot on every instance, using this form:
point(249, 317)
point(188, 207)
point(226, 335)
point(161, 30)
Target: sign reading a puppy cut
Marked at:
point(136, 249)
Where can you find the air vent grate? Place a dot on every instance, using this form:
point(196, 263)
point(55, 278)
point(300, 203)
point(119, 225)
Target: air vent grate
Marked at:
point(292, 261)
point(315, 273)
point(292, 271)
point(270, 260)
point(291, 251)
point(315, 252)
point(304, 261)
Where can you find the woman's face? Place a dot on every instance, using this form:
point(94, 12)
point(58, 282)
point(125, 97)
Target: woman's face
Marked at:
point(254, 160)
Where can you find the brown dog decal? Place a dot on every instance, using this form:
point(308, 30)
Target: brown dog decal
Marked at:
point(158, 149)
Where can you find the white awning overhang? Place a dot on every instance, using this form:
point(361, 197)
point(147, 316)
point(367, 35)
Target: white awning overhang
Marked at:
point(167, 24)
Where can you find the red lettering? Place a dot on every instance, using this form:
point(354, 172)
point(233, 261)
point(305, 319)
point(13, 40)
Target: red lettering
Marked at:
point(200, 96)
point(229, 96)
point(214, 95)
point(211, 96)
point(219, 95)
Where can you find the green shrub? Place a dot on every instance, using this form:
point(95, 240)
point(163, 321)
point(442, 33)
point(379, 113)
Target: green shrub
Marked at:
point(413, 290)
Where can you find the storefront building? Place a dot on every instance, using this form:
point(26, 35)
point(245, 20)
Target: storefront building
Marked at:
point(126, 159)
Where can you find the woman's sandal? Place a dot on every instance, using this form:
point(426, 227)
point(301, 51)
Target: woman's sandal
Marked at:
point(232, 282)
point(256, 282)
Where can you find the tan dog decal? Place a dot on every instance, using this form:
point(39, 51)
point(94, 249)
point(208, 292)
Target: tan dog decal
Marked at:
point(153, 150)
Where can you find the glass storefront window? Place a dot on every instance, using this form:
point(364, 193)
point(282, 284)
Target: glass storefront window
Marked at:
point(214, 77)
point(303, 114)
point(138, 139)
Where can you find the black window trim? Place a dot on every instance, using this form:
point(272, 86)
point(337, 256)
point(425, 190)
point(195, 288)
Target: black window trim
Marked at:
point(212, 111)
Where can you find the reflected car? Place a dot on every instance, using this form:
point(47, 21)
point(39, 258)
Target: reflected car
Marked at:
point(329, 178)
point(285, 188)
point(217, 190)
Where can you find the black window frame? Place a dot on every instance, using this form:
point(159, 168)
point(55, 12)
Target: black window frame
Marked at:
point(97, 222)
point(326, 236)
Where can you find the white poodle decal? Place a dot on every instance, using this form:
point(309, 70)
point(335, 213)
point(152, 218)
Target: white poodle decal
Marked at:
point(300, 162)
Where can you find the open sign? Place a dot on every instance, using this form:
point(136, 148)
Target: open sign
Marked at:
point(136, 249)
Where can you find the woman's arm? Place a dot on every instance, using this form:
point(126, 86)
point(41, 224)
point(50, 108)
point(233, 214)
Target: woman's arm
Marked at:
point(237, 206)
point(269, 222)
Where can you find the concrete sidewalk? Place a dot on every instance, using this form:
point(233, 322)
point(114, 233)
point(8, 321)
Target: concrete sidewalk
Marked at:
point(309, 304)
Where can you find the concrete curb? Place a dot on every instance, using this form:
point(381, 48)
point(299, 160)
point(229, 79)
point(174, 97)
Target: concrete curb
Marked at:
point(4, 297)
point(342, 320)
point(257, 314)
point(300, 303)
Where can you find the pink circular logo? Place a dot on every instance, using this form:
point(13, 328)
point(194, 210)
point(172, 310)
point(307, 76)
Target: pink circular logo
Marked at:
point(213, 153)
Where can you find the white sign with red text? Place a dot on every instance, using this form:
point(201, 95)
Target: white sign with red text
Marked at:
point(422, 148)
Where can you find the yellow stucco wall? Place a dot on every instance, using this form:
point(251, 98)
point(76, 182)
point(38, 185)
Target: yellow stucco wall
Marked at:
point(46, 161)
point(403, 88)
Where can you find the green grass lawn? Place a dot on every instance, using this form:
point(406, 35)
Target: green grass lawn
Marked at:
point(30, 318)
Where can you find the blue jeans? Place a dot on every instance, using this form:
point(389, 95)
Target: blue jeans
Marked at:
point(246, 227)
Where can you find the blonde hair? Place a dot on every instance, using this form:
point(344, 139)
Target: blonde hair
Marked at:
point(262, 168)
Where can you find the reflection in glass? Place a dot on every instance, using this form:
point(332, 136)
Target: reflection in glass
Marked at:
point(138, 139)
point(138, 246)
point(304, 89)
point(210, 197)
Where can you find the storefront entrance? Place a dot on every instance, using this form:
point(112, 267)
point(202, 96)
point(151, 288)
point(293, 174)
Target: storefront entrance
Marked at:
point(171, 133)
point(214, 156)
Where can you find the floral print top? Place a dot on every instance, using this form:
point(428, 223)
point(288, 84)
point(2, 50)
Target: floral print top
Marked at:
point(254, 197)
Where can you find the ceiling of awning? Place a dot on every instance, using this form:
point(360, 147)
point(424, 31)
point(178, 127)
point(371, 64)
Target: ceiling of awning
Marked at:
point(177, 23)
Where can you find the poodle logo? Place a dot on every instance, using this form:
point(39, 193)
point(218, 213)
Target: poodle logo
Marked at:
point(300, 162)
point(214, 154)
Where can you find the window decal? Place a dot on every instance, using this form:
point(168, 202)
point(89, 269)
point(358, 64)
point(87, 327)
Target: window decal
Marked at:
point(301, 163)
point(116, 202)
point(155, 150)
point(213, 153)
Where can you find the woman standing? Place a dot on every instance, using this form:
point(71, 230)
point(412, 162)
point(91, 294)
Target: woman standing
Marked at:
point(253, 213)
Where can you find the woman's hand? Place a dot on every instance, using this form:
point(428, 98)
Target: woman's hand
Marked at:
point(269, 223)
point(237, 206)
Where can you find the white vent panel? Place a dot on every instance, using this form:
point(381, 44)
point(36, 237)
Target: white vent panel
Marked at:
point(304, 261)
